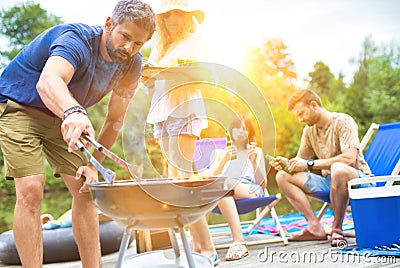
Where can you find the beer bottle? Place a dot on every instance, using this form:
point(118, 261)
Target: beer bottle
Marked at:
point(285, 167)
point(229, 143)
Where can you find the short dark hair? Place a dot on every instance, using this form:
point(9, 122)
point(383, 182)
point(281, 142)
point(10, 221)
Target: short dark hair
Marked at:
point(135, 11)
point(245, 122)
point(305, 96)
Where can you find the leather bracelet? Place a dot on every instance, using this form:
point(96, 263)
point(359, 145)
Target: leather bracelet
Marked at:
point(73, 109)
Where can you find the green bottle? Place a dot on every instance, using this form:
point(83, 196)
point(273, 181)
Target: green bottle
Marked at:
point(285, 167)
point(229, 143)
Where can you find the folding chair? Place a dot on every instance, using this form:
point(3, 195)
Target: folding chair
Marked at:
point(382, 156)
point(262, 205)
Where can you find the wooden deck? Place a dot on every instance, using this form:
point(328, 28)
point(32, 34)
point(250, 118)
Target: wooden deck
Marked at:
point(295, 254)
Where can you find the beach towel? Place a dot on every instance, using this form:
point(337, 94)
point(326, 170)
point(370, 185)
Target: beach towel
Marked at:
point(393, 250)
point(292, 223)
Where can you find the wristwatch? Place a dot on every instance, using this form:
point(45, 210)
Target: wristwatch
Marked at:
point(310, 164)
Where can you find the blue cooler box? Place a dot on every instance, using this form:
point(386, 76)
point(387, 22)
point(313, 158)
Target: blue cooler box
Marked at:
point(376, 211)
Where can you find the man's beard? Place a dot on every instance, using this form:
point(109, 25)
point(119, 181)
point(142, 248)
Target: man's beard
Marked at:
point(114, 52)
point(313, 119)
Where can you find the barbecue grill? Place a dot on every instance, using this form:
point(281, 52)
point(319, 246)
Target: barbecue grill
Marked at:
point(150, 204)
point(154, 204)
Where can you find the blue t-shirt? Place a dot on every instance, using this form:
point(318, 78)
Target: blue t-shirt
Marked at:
point(80, 45)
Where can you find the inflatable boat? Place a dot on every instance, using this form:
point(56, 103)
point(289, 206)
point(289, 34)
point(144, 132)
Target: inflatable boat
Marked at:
point(59, 244)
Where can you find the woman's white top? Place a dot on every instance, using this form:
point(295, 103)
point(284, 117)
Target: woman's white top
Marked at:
point(171, 97)
point(240, 167)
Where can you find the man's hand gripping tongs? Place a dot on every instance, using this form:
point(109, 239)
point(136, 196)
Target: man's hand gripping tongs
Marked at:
point(108, 174)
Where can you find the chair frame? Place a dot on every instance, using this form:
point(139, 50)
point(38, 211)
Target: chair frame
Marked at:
point(260, 214)
point(364, 142)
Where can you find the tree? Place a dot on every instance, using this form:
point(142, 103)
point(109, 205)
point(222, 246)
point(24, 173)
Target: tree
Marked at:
point(321, 77)
point(21, 24)
point(374, 92)
point(332, 90)
point(355, 105)
point(271, 68)
point(384, 85)
point(337, 91)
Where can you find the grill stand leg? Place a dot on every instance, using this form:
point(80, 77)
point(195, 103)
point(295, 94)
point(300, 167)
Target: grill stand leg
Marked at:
point(187, 249)
point(123, 247)
point(174, 242)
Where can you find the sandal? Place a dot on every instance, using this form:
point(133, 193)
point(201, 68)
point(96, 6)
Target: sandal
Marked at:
point(215, 258)
point(337, 239)
point(237, 251)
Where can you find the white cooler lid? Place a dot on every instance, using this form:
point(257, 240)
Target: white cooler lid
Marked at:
point(375, 192)
point(389, 190)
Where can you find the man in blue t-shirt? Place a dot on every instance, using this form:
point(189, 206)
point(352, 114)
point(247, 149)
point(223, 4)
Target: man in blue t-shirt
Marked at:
point(43, 95)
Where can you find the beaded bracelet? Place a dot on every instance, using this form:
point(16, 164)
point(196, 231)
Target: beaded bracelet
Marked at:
point(73, 109)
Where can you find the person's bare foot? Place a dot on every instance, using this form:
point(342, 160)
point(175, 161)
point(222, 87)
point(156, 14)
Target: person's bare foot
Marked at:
point(308, 235)
point(337, 238)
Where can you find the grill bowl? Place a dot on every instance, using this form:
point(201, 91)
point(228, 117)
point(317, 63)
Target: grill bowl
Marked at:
point(158, 203)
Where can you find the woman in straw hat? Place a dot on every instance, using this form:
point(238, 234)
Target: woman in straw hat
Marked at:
point(178, 114)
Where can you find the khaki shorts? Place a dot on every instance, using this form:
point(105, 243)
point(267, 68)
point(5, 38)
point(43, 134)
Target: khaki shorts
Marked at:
point(25, 134)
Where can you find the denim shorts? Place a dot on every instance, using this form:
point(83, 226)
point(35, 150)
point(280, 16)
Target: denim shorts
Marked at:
point(316, 183)
point(177, 126)
point(254, 187)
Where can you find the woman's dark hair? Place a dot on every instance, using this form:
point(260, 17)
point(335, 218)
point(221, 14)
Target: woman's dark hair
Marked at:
point(245, 122)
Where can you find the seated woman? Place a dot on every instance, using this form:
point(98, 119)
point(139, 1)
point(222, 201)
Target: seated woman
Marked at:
point(243, 164)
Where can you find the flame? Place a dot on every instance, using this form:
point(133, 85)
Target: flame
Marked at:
point(179, 61)
point(196, 177)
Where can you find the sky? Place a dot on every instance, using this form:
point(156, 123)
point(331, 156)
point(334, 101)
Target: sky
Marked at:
point(313, 30)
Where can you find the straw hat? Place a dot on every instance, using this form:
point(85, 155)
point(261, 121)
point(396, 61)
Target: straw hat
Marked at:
point(168, 5)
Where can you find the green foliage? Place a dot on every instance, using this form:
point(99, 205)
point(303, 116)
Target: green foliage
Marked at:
point(52, 183)
point(354, 104)
point(145, 53)
point(337, 93)
point(331, 90)
point(374, 93)
point(277, 61)
point(97, 114)
point(288, 131)
point(22, 23)
point(383, 90)
point(321, 78)
point(6, 187)
point(270, 67)
point(371, 97)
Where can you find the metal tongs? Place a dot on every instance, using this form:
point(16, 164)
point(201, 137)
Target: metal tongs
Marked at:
point(108, 174)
